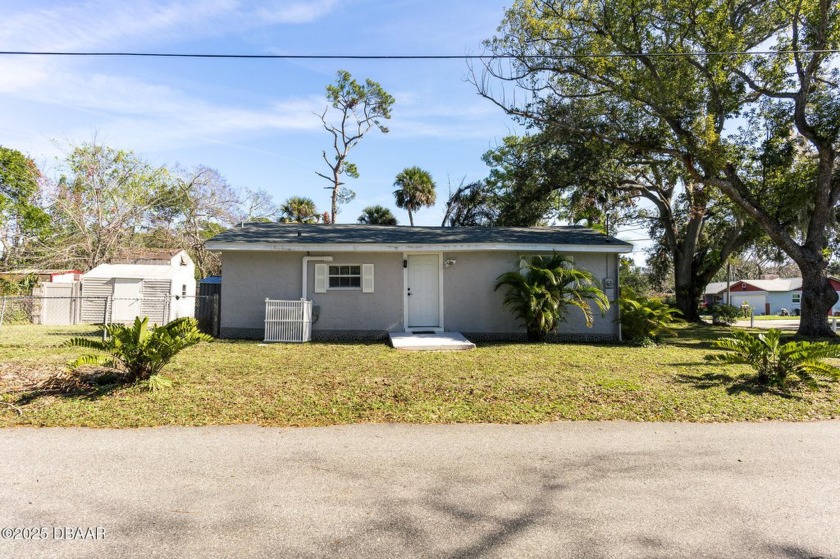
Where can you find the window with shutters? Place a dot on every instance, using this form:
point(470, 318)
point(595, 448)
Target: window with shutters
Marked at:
point(345, 276)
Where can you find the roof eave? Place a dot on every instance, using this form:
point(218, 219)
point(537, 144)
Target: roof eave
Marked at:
point(419, 247)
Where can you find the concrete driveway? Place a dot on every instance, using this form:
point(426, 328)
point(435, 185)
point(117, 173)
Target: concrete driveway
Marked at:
point(784, 324)
point(556, 490)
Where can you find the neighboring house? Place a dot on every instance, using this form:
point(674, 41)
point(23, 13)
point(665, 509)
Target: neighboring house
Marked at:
point(157, 284)
point(44, 276)
point(367, 281)
point(765, 296)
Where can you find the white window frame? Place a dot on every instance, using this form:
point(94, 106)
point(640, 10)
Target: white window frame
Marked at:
point(329, 275)
point(796, 298)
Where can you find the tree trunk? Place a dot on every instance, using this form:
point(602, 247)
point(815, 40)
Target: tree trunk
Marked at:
point(334, 207)
point(695, 266)
point(410, 218)
point(687, 290)
point(818, 298)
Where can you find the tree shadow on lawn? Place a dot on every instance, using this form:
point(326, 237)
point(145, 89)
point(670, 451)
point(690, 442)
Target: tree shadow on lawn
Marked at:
point(80, 386)
point(734, 384)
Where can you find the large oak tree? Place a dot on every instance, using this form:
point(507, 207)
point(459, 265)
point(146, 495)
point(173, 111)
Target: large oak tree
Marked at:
point(675, 79)
point(579, 179)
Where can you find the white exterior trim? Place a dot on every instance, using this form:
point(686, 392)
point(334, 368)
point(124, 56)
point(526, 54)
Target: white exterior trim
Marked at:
point(304, 279)
point(321, 278)
point(419, 248)
point(368, 274)
point(440, 327)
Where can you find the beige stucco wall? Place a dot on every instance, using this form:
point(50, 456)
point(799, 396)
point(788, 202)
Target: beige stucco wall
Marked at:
point(249, 278)
point(472, 305)
point(470, 302)
point(252, 277)
point(354, 310)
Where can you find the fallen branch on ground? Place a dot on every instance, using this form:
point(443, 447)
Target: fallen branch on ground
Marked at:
point(14, 407)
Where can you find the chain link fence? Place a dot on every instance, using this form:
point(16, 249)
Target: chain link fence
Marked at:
point(48, 321)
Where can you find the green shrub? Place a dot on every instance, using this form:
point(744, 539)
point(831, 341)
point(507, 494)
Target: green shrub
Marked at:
point(137, 350)
point(725, 315)
point(778, 364)
point(644, 318)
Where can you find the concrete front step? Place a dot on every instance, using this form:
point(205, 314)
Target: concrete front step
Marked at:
point(443, 341)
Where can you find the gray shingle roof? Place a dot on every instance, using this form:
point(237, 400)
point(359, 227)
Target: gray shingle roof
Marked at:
point(294, 233)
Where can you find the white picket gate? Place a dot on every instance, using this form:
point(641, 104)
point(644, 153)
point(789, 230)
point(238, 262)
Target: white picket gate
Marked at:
point(288, 321)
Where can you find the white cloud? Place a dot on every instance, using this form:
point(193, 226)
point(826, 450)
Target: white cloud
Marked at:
point(20, 74)
point(295, 12)
point(88, 25)
point(67, 98)
point(144, 115)
point(113, 25)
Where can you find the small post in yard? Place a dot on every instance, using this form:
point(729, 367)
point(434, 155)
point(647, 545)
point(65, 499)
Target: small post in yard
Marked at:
point(216, 312)
point(729, 283)
point(3, 312)
point(105, 320)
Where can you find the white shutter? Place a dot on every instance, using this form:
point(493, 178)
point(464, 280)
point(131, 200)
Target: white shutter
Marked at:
point(367, 278)
point(320, 278)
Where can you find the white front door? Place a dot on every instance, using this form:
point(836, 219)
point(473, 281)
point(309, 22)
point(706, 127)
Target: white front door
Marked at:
point(423, 291)
point(126, 300)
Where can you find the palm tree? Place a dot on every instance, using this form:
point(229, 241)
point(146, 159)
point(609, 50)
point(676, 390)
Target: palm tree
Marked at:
point(377, 215)
point(540, 292)
point(299, 209)
point(415, 190)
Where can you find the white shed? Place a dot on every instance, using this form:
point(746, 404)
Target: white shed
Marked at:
point(162, 289)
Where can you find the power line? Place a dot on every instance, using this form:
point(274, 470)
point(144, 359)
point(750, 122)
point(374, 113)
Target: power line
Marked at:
point(408, 56)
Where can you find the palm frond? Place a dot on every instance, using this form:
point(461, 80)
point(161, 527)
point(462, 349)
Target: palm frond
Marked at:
point(94, 360)
point(87, 343)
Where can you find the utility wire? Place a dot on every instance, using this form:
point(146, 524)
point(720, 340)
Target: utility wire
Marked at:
point(407, 56)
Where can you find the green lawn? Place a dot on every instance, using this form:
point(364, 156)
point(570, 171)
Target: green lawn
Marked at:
point(325, 384)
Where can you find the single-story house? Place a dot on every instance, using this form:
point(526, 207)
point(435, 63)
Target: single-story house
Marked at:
point(162, 287)
point(366, 281)
point(765, 296)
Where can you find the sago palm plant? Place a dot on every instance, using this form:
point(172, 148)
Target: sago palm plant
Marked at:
point(778, 364)
point(542, 290)
point(644, 318)
point(138, 350)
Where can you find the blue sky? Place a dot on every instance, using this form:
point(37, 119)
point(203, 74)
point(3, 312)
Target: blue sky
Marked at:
point(252, 119)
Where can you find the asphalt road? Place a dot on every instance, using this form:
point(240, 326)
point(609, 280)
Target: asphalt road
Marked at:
point(558, 490)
